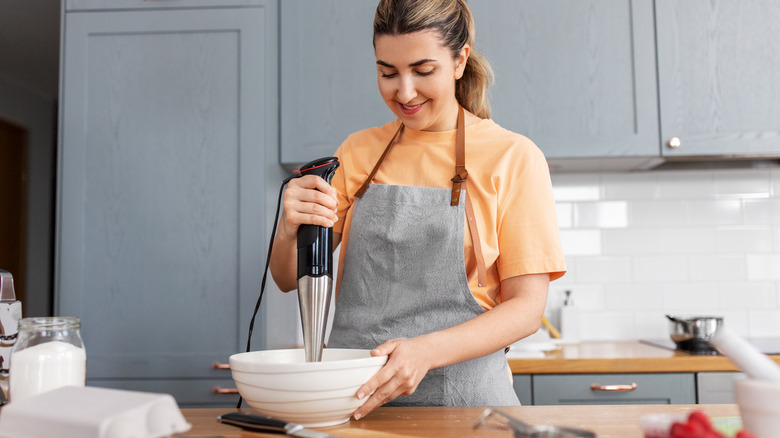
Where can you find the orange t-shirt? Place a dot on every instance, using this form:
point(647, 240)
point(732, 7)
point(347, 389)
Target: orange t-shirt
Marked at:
point(508, 183)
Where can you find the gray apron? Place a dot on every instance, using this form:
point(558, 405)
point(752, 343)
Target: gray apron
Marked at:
point(404, 275)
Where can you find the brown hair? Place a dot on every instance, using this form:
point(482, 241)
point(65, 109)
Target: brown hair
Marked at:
point(452, 21)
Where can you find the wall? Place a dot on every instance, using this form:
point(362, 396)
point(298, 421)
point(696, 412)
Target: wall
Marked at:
point(642, 245)
point(37, 113)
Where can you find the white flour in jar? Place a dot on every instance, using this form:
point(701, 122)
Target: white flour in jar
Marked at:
point(44, 367)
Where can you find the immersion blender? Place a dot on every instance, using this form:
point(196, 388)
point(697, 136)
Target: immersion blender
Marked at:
point(315, 269)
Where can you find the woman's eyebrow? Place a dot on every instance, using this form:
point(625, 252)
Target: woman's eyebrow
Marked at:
point(414, 64)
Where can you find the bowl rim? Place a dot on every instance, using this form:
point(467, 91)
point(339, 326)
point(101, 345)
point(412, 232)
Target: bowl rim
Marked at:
point(239, 362)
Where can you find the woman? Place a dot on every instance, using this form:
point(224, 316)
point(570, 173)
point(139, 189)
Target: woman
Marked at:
point(449, 245)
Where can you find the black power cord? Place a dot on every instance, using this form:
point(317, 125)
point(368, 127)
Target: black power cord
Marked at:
point(265, 272)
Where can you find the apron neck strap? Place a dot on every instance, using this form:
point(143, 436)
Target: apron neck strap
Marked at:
point(461, 174)
point(367, 182)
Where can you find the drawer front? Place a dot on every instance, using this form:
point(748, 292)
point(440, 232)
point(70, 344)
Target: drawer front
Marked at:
point(581, 389)
point(189, 393)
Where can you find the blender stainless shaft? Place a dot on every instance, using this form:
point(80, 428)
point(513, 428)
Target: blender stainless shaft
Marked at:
point(315, 269)
point(314, 298)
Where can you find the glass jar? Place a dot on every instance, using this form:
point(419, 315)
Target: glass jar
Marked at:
point(48, 354)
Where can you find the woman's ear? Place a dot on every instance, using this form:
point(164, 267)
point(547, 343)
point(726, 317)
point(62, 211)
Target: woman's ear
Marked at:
point(460, 62)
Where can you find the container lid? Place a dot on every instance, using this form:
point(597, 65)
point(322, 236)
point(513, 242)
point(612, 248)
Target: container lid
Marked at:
point(7, 286)
point(87, 412)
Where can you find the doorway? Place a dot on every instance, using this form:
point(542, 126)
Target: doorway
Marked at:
point(13, 203)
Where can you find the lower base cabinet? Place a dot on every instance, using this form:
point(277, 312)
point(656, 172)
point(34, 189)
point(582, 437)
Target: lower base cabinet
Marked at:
point(716, 387)
point(605, 389)
point(189, 393)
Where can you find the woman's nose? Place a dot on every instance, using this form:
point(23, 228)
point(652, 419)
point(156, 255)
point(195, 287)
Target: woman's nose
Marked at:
point(406, 90)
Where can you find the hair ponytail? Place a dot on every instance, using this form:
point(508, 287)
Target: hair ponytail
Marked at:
point(453, 22)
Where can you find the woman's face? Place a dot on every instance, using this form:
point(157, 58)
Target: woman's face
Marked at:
point(416, 77)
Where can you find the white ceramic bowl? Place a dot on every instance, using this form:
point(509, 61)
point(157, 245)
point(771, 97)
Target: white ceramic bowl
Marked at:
point(281, 384)
point(759, 406)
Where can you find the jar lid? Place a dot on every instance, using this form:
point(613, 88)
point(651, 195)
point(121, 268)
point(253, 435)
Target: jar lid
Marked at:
point(49, 323)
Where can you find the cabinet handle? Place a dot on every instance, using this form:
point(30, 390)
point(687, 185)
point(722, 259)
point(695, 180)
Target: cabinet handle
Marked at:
point(612, 388)
point(674, 142)
point(220, 366)
point(218, 390)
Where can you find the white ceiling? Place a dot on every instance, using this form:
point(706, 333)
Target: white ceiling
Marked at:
point(30, 44)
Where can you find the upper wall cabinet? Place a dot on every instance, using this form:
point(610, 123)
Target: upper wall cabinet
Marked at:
point(719, 77)
point(328, 76)
point(76, 5)
point(583, 79)
point(576, 77)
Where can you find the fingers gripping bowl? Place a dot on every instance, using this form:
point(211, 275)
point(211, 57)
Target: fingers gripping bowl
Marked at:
point(281, 384)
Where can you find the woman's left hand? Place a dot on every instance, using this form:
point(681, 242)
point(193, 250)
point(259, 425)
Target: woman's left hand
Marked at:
point(407, 364)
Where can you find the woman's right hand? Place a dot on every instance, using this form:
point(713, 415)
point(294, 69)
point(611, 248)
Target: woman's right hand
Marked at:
point(308, 200)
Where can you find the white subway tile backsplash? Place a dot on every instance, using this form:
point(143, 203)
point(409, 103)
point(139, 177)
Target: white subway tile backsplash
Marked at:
point(660, 268)
point(691, 298)
point(688, 240)
point(776, 239)
point(631, 241)
point(717, 267)
point(651, 325)
point(740, 184)
point(763, 266)
point(576, 187)
point(564, 211)
point(640, 245)
point(603, 214)
point(628, 186)
point(764, 323)
point(607, 326)
point(695, 184)
point(581, 242)
point(603, 270)
point(761, 211)
point(633, 297)
point(715, 212)
point(742, 295)
point(744, 239)
point(657, 213)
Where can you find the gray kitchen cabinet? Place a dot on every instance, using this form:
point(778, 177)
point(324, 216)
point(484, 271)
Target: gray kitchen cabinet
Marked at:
point(719, 85)
point(164, 125)
point(602, 389)
point(716, 387)
point(328, 76)
point(577, 77)
point(523, 389)
point(101, 5)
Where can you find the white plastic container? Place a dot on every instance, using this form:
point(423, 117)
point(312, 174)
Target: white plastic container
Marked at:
point(48, 354)
point(759, 406)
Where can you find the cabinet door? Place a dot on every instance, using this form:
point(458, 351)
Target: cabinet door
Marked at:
point(328, 76)
point(95, 5)
point(715, 387)
point(576, 77)
point(605, 389)
point(160, 239)
point(719, 83)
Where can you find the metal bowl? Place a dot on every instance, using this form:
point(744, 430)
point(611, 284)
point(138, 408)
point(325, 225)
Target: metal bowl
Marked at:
point(693, 333)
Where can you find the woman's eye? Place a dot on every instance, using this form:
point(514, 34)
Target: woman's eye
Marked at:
point(425, 72)
point(388, 75)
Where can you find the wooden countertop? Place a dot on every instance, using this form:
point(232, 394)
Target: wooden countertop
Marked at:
point(619, 357)
point(618, 421)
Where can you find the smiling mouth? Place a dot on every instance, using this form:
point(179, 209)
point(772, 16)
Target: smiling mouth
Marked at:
point(411, 109)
